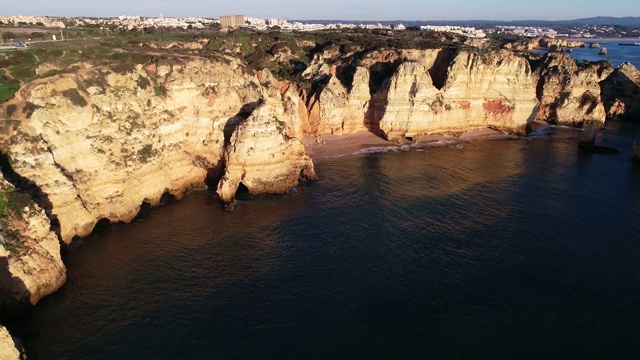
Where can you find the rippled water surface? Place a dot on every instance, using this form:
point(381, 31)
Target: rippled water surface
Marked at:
point(499, 249)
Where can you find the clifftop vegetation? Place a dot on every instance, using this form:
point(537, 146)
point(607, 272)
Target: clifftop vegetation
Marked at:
point(286, 55)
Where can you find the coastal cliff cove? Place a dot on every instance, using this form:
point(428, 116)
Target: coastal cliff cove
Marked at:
point(338, 194)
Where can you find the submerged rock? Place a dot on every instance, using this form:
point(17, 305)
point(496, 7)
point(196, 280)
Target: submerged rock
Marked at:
point(596, 149)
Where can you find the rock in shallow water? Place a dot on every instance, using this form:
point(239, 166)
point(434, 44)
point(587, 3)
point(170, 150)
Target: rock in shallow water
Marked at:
point(8, 349)
point(263, 158)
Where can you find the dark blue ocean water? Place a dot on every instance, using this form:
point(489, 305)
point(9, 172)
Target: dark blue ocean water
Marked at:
point(499, 249)
point(615, 53)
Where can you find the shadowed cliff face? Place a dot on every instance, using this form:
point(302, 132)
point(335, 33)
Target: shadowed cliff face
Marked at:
point(568, 93)
point(621, 93)
point(30, 263)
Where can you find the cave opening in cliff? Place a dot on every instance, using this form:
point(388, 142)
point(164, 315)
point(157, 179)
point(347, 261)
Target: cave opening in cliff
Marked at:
point(145, 210)
point(439, 72)
point(242, 193)
point(214, 174)
point(30, 188)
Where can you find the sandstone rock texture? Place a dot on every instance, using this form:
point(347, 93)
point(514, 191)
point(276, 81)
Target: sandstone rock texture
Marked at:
point(408, 93)
point(568, 92)
point(263, 158)
point(621, 91)
point(8, 350)
point(103, 141)
point(100, 142)
point(30, 262)
point(338, 110)
point(561, 43)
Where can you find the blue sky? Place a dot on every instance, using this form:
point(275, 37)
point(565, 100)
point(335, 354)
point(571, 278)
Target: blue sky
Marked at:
point(333, 9)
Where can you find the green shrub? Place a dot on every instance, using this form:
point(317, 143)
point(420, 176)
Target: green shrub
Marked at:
point(7, 90)
point(12, 202)
point(160, 90)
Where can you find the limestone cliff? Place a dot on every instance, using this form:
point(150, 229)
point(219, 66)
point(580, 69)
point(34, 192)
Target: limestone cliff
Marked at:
point(263, 158)
point(560, 43)
point(568, 92)
point(103, 141)
point(8, 350)
point(98, 143)
point(494, 90)
point(412, 92)
point(621, 91)
point(30, 262)
point(338, 110)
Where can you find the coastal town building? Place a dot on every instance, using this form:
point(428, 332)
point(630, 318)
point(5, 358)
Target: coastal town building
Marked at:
point(32, 20)
point(466, 31)
point(232, 21)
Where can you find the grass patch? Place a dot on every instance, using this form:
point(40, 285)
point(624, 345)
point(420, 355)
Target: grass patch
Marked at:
point(7, 90)
point(12, 202)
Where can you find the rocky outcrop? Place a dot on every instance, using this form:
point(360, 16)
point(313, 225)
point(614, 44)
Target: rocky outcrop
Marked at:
point(286, 101)
point(492, 90)
point(338, 110)
point(103, 141)
point(30, 262)
point(99, 143)
point(8, 349)
point(560, 43)
point(263, 158)
point(569, 93)
point(621, 93)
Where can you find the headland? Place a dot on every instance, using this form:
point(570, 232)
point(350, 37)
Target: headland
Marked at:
point(94, 131)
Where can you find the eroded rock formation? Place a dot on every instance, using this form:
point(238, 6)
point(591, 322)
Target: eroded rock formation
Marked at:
point(263, 158)
point(30, 263)
point(100, 142)
point(569, 93)
point(621, 91)
point(412, 92)
point(8, 350)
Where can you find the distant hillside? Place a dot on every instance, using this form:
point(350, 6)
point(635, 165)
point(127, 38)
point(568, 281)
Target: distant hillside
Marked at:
point(600, 20)
point(630, 21)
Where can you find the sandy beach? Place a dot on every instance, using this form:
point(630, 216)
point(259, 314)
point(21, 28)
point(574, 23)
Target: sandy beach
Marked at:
point(326, 146)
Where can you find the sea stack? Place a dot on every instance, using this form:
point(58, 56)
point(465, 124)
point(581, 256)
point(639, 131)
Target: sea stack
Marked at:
point(603, 51)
